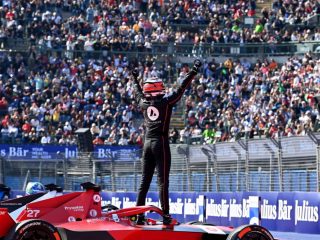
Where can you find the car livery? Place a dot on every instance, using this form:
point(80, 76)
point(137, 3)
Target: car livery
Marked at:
point(79, 216)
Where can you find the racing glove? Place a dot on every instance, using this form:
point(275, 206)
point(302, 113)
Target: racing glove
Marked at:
point(135, 73)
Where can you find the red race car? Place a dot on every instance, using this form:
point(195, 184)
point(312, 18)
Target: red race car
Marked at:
point(12, 209)
point(78, 216)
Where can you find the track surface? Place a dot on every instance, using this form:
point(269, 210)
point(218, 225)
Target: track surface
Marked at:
point(295, 236)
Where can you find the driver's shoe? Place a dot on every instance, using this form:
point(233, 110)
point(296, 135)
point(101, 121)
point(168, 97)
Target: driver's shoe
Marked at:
point(167, 219)
point(141, 220)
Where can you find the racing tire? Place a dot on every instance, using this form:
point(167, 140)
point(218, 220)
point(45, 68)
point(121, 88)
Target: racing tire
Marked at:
point(33, 230)
point(250, 232)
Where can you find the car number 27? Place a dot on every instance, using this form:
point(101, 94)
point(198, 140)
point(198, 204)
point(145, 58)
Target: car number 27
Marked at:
point(32, 213)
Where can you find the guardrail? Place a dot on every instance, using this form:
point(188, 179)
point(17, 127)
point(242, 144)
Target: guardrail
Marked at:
point(286, 164)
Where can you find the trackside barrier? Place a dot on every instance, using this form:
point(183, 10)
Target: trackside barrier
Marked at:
point(255, 210)
point(280, 211)
point(283, 165)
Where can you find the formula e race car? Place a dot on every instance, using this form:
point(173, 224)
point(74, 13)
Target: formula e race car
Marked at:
point(15, 207)
point(79, 216)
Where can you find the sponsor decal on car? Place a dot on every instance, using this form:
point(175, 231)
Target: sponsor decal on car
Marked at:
point(96, 198)
point(93, 213)
point(71, 219)
point(115, 218)
point(74, 208)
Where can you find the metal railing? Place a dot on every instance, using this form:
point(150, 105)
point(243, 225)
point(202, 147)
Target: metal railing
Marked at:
point(313, 20)
point(164, 50)
point(286, 164)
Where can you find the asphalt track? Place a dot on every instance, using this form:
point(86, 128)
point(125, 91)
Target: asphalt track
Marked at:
point(295, 236)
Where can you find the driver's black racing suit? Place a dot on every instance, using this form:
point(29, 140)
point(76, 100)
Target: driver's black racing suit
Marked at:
point(156, 152)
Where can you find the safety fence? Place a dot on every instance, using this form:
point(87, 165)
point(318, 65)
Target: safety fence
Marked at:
point(286, 164)
point(171, 49)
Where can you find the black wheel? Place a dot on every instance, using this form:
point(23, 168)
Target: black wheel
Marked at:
point(34, 230)
point(250, 232)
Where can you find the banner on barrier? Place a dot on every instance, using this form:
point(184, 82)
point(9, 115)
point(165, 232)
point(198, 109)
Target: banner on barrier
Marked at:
point(290, 211)
point(280, 211)
point(120, 153)
point(54, 152)
point(37, 152)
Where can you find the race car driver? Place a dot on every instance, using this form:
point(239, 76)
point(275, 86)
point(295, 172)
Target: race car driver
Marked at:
point(157, 108)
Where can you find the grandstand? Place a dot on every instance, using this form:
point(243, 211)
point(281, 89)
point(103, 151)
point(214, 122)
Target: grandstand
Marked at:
point(66, 66)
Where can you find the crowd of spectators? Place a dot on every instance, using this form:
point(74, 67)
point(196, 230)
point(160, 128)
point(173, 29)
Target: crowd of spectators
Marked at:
point(89, 25)
point(227, 101)
point(238, 99)
point(49, 103)
point(285, 21)
point(46, 96)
